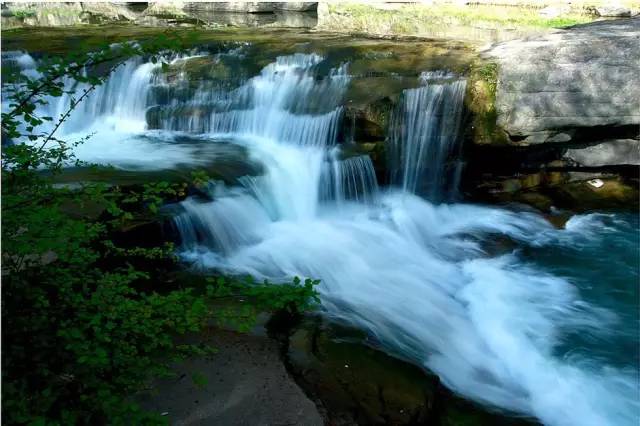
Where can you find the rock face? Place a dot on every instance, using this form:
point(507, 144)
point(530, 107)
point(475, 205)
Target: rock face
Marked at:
point(608, 153)
point(159, 13)
point(566, 110)
point(63, 14)
point(613, 11)
point(297, 6)
point(552, 87)
point(238, 7)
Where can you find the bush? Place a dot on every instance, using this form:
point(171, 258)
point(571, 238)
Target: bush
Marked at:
point(84, 324)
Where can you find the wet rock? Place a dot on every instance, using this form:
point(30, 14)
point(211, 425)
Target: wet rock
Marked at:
point(357, 384)
point(367, 124)
point(615, 193)
point(353, 383)
point(566, 190)
point(197, 68)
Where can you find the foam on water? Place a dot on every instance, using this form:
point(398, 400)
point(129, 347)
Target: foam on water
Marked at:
point(413, 273)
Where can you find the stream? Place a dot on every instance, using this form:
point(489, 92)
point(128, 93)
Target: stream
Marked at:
point(544, 326)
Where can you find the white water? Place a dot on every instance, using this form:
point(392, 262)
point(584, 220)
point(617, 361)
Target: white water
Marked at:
point(410, 272)
point(425, 137)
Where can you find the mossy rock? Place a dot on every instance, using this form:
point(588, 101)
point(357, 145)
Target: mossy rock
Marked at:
point(355, 383)
point(480, 99)
point(615, 193)
point(367, 123)
point(197, 68)
point(359, 383)
point(545, 190)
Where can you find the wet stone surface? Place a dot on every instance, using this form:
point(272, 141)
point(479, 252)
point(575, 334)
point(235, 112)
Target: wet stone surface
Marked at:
point(355, 384)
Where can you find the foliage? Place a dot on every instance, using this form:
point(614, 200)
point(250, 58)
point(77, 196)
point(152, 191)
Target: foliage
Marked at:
point(88, 322)
point(258, 297)
point(483, 84)
point(26, 13)
point(488, 73)
point(419, 19)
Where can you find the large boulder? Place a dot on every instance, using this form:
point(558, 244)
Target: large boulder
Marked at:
point(549, 87)
point(233, 13)
point(165, 8)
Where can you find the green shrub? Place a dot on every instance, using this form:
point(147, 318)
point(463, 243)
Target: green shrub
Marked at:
point(26, 13)
point(86, 322)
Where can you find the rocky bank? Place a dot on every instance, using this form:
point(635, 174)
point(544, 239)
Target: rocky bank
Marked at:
point(566, 112)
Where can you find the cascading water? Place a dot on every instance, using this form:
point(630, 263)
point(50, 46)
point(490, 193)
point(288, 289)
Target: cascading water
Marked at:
point(351, 178)
point(425, 137)
point(413, 274)
point(121, 101)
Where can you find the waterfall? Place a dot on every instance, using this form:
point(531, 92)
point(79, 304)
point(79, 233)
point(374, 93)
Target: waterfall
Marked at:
point(409, 272)
point(425, 137)
point(351, 178)
point(415, 275)
point(284, 103)
point(120, 102)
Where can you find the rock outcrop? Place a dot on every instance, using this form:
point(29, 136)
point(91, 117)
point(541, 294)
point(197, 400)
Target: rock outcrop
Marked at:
point(17, 14)
point(560, 110)
point(613, 11)
point(551, 88)
point(159, 13)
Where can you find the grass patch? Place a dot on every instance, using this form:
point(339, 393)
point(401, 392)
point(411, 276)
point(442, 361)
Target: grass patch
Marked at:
point(421, 19)
point(506, 16)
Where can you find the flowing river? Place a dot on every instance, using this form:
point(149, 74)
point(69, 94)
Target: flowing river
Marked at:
point(545, 327)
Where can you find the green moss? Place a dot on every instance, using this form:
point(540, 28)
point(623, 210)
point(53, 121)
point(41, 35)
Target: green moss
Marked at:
point(481, 101)
point(26, 13)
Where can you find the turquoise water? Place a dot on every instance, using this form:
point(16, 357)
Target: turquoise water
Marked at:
point(600, 255)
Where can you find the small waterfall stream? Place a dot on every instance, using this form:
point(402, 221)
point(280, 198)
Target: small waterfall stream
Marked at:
point(412, 273)
point(425, 137)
